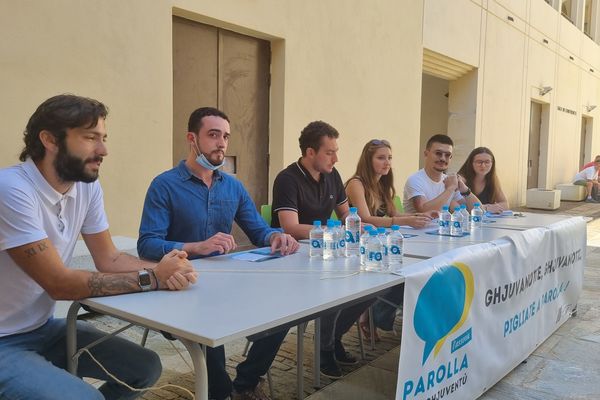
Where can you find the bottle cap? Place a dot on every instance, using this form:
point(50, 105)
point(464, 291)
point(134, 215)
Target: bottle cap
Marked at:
point(477, 205)
point(317, 223)
point(445, 208)
point(395, 227)
point(353, 209)
point(456, 208)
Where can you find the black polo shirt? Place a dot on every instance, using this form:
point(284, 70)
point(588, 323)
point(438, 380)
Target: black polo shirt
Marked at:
point(296, 190)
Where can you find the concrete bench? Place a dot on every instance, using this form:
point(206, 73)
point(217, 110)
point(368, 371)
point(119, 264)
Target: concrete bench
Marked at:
point(545, 199)
point(571, 192)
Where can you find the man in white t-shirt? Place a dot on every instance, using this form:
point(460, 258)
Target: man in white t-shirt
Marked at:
point(588, 177)
point(430, 188)
point(47, 202)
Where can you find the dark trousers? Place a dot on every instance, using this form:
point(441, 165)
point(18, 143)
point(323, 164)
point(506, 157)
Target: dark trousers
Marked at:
point(257, 363)
point(334, 325)
point(384, 314)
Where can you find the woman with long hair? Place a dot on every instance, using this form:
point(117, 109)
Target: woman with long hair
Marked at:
point(479, 174)
point(371, 189)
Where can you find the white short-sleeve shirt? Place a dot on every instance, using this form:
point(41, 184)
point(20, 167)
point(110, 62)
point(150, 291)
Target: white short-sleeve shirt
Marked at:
point(588, 174)
point(420, 184)
point(31, 210)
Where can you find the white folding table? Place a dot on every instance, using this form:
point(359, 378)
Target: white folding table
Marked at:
point(235, 299)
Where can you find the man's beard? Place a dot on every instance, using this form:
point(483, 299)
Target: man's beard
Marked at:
point(71, 168)
point(219, 156)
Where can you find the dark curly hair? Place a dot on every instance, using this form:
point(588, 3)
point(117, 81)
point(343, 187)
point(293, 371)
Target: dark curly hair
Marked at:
point(311, 135)
point(56, 115)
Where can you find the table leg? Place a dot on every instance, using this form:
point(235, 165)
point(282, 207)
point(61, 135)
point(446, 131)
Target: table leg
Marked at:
point(72, 337)
point(300, 361)
point(201, 382)
point(317, 355)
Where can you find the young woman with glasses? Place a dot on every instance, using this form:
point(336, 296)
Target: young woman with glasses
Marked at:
point(479, 174)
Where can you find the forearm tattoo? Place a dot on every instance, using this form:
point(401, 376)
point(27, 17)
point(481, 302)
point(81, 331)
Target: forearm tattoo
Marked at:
point(108, 284)
point(36, 249)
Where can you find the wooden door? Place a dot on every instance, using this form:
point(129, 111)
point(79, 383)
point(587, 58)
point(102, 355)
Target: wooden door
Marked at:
point(219, 68)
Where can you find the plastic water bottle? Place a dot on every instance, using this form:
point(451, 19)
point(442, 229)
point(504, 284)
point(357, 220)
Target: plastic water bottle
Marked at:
point(445, 217)
point(476, 216)
point(374, 252)
point(363, 247)
point(466, 218)
point(316, 240)
point(381, 233)
point(456, 222)
point(395, 243)
point(329, 241)
point(353, 233)
point(341, 239)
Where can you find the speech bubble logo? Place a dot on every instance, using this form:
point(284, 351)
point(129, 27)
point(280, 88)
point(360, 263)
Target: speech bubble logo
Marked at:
point(443, 306)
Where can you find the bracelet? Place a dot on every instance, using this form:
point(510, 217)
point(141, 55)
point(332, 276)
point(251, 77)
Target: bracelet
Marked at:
point(466, 194)
point(151, 272)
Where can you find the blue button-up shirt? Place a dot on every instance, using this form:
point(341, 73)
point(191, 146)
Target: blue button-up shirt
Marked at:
point(179, 208)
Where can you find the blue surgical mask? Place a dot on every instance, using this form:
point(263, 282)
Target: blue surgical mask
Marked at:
point(203, 161)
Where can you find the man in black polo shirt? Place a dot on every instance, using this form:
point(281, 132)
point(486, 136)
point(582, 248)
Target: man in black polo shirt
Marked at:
point(308, 190)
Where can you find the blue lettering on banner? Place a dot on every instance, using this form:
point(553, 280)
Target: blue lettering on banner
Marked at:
point(435, 377)
point(461, 340)
point(518, 320)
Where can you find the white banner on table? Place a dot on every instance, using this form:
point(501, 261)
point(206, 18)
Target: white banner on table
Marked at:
point(473, 314)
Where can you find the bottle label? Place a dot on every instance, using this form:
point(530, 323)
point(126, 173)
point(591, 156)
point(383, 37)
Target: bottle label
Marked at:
point(476, 218)
point(352, 237)
point(315, 243)
point(362, 250)
point(375, 256)
point(444, 224)
point(456, 224)
point(395, 249)
point(342, 243)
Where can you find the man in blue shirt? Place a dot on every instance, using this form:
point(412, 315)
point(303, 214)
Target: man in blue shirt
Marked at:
point(192, 207)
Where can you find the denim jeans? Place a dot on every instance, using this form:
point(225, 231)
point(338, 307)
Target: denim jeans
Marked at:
point(257, 363)
point(33, 365)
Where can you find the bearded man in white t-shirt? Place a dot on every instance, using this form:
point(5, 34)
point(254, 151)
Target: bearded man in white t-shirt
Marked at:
point(430, 188)
point(588, 177)
point(47, 201)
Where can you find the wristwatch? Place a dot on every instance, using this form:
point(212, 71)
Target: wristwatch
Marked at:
point(144, 280)
point(467, 193)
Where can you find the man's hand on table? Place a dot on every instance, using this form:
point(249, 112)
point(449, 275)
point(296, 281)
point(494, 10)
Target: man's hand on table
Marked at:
point(221, 243)
point(175, 272)
point(283, 242)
